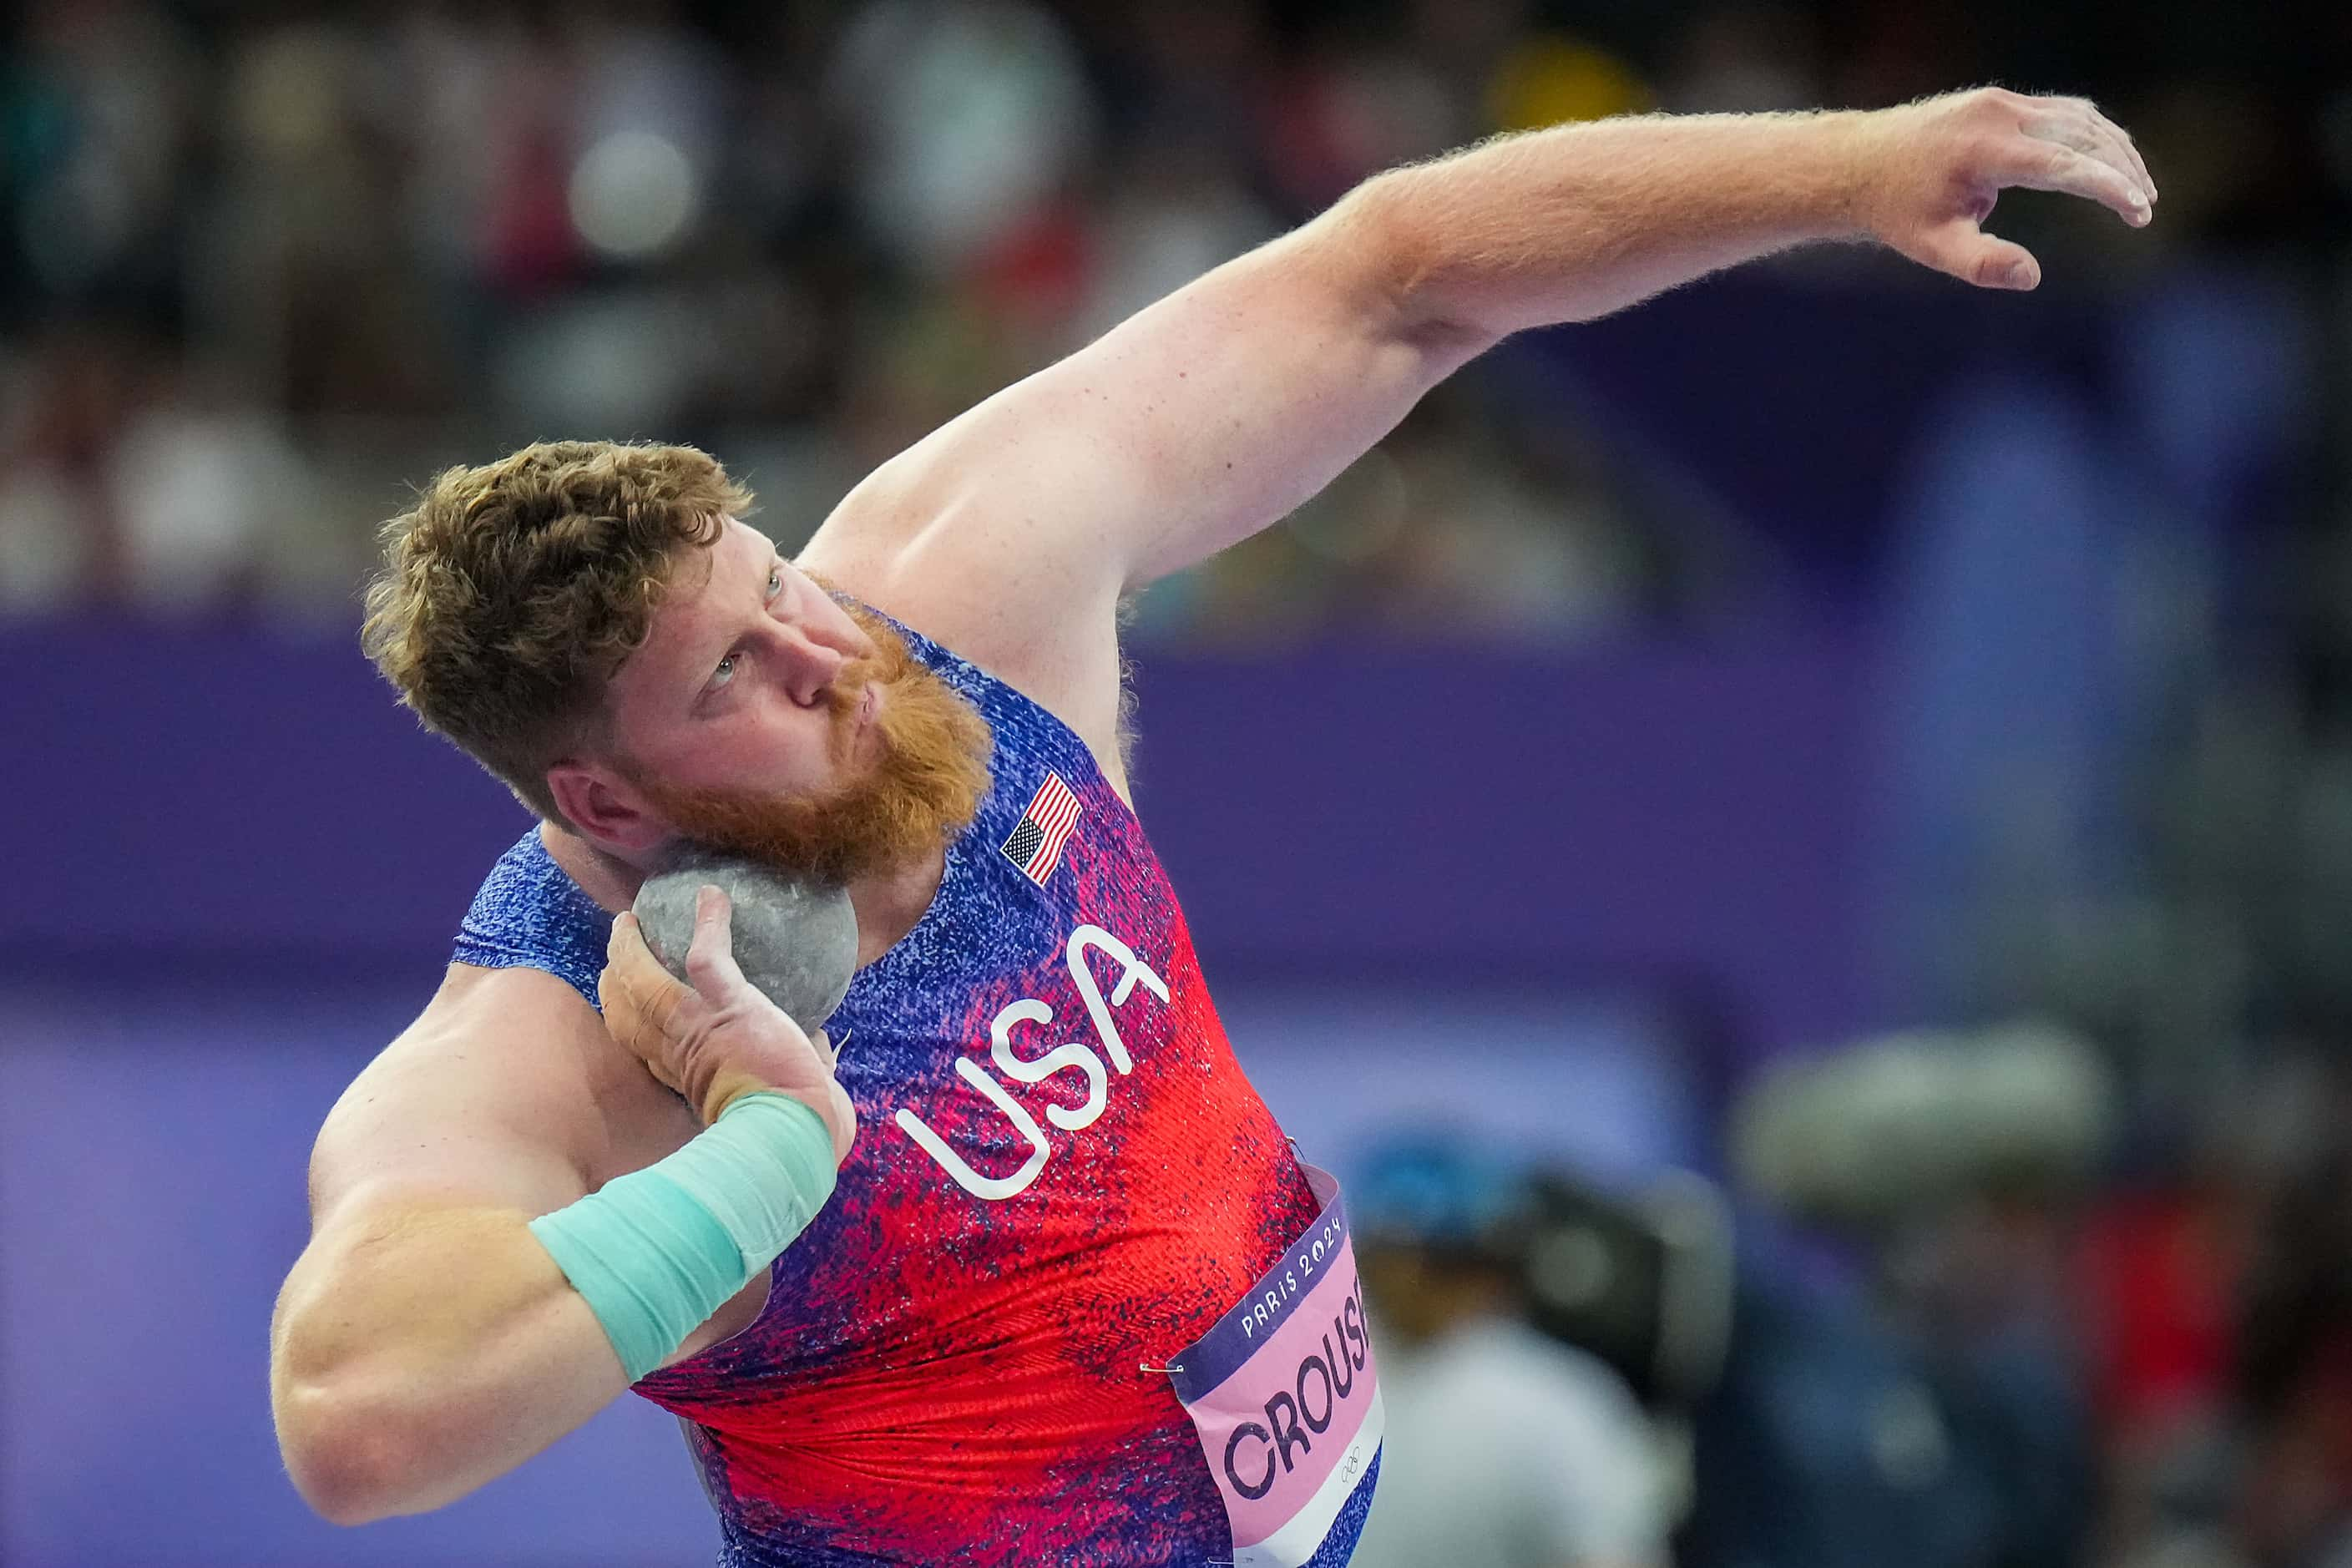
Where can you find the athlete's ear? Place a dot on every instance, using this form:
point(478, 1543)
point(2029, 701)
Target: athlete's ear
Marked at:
point(604, 808)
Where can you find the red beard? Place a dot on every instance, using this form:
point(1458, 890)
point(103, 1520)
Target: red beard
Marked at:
point(922, 790)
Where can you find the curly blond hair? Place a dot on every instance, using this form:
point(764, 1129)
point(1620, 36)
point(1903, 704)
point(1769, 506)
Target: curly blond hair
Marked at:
point(511, 592)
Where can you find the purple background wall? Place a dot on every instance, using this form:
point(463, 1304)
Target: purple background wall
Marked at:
point(1685, 814)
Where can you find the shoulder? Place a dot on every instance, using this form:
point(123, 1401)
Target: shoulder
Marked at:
point(474, 1006)
point(505, 1071)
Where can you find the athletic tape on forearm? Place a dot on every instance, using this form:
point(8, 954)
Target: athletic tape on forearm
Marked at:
point(656, 1252)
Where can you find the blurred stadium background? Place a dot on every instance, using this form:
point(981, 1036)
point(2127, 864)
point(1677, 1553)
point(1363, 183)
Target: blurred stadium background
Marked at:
point(1595, 777)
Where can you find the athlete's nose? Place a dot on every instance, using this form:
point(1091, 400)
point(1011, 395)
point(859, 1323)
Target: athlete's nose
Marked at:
point(808, 667)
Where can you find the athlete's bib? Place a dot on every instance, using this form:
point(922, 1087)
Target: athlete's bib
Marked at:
point(1285, 1394)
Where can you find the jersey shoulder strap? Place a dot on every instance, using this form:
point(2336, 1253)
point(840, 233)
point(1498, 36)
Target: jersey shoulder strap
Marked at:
point(531, 914)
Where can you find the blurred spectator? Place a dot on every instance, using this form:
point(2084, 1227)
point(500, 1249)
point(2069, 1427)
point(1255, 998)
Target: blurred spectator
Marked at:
point(970, 114)
point(1957, 1162)
point(1506, 1448)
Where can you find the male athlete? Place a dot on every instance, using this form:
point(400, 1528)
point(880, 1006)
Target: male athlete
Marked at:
point(1013, 1267)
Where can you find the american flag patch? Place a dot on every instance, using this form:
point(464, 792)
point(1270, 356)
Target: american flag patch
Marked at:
point(1035, 844)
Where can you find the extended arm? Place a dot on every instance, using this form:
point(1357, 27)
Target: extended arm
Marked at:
point(1565, 226)
point(1014, 530)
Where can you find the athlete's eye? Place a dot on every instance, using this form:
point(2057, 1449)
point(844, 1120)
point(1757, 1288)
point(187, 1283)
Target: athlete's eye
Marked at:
point(725, 672)
point(775, 582)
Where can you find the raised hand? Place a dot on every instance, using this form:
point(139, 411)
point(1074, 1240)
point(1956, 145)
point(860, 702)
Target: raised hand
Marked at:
point(1935, 168)
point(719, 1037)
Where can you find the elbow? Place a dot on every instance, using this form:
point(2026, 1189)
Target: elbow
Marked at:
point(1410, 281)
point(351, 1465)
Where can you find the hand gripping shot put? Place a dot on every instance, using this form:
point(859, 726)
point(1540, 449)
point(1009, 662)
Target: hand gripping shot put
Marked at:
point(830, 1064)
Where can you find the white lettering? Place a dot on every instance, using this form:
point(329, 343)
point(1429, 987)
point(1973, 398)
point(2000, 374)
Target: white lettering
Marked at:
point(1073, 1056)
point(995, 1189)
point(1061, 1058)
point(1132, 969)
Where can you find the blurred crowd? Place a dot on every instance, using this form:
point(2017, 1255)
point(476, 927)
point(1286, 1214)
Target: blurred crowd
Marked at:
point(1971, 1313)
point(262, 265)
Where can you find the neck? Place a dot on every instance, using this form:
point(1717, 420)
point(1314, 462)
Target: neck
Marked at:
point(891, 903)
point(888, 903)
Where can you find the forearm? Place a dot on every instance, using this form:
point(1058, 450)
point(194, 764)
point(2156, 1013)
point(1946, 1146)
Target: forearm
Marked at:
point(1570, 224)
point(421, 1352)
point(426, 1354)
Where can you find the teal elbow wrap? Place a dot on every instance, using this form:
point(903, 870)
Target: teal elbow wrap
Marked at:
point(656, 1252)
point(651, 1262)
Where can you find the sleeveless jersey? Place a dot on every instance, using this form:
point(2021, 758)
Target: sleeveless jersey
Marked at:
point(1061, 1176)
